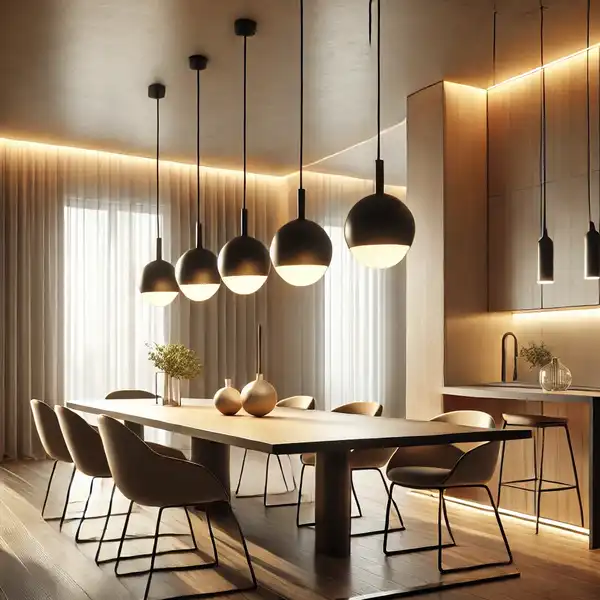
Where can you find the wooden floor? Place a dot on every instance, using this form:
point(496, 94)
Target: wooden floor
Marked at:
point(39, 562)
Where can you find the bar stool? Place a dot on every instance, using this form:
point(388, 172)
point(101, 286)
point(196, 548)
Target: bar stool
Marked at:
point(539, 423)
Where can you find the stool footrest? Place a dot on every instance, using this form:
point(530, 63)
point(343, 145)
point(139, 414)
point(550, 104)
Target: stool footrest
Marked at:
point(518, 484)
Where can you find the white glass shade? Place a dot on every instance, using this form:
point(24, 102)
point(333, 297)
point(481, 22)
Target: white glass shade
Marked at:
point(301, 275)
point(199, 292)
point(244, 284)
point(159, 298)
point(379, 256)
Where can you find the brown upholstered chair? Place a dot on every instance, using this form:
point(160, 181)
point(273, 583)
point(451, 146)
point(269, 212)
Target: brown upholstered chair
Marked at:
point(298, 403)
point(444, 467)
point(360, 460)
point(55, 447)
point(147, 478)
point(85, 447)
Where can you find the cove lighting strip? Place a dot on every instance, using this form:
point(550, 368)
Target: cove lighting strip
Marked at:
point(560, 314)
point(546, 66)
point(509, 513)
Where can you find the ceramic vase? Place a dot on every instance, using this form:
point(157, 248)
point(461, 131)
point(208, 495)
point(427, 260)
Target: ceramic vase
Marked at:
point(259, 397)
point(555, 377)
point(228, 400)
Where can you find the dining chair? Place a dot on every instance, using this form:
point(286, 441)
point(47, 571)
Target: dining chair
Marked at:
point(298, 403)
point(372, 459)
point(149, 479)
point(55, 447)
point(129, 395)
point(443, 467)
point(85, 447)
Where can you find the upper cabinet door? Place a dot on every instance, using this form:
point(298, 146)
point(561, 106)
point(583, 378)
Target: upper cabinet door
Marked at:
point(514, 176)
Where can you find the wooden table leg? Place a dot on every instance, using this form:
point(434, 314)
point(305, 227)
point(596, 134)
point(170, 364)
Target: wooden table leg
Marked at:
point(215, 457)
point(332, 503)
point(594, 497)
point(135, 427)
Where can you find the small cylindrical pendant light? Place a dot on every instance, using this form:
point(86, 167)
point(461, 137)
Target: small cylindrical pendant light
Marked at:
point(591, 242)
point(196, 270)
point(545, 243)
point(380, 228)
point(244, 262)
point(301, 250)
point(158, 285)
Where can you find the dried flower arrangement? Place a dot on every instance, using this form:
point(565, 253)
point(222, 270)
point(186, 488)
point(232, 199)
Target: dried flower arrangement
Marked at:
point(536, 355)
point(175, 360)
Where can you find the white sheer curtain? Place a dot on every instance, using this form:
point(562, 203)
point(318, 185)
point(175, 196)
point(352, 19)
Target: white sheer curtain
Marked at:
point(80, 225)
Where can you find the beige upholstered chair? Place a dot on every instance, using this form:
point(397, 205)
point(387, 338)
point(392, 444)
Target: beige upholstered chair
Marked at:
point(360, 460)
point(298, 403)
point(149, 479)
point(55, 447)
point(444, 467)
point(85, 447)
point(129, 395)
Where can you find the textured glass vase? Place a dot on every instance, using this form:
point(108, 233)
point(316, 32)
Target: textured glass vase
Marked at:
point(555, 377)
point(172, 391)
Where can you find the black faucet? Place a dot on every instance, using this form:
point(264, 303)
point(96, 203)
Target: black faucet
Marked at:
point(515, 356)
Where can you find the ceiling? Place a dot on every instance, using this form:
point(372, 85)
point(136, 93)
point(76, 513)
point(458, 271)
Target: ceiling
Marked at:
point(76, 72)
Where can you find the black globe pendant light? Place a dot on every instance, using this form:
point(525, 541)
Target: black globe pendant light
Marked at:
point(301, 250)
point(158, 285)
point(380, 228)
point(591, 260)
point(196, 270)
point(244, 262)
point(545, 243)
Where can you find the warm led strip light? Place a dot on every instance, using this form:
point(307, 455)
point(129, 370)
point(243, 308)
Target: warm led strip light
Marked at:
point(559, 314)
point(546, 66)
point(509, 513)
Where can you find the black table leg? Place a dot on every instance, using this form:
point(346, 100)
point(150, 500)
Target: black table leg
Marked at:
point(594, 510)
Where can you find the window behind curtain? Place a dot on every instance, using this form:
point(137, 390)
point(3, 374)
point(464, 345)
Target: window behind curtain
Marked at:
point(107, 324)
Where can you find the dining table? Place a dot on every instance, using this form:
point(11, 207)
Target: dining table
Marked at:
point(332, 436)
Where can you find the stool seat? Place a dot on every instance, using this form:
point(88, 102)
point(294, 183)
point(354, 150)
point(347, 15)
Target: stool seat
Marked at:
point(524, 420)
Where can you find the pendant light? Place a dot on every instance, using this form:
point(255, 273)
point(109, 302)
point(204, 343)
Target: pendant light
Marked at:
point(301, 250)
point(592, 237)
point(196, 271)
point(380, 228)
point(244, 262)
point(158, 285)
point(545, 243)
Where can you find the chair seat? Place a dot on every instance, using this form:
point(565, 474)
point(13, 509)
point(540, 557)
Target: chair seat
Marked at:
point(419, 477)
point(524, 420)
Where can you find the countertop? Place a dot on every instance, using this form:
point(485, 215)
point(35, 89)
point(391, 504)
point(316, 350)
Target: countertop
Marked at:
point(522, 392)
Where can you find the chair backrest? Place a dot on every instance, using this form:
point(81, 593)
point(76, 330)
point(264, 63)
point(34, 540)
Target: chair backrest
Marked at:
point(49, 431)
point(129, 395)
point(370, 409)
point(469, 418)
point(84, 443)
point(299, 402)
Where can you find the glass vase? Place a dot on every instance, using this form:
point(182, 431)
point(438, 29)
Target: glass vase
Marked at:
point(555, 377)
point(172, 391)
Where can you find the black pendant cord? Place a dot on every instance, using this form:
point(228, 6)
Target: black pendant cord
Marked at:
point(379, 176)
point(589, 134)
point(245, 125)
point(199, 222)
point(158, 242)
point(301, 193)
point(543, 221)
point(487, 97)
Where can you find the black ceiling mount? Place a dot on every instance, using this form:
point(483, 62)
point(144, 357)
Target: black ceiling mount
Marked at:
point(198, 62)
point(156, 91)
point(245, 27)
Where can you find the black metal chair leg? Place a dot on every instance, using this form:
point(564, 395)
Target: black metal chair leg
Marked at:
point(87, 503)
point(287, 489)
point(212, 538)
point(566, 428)
point(110, 503)
point(122, 540)
point(387, 490)
point(237, 489)
point(267, 481)
point(354, 494)
point(540, 484)
point(300, 496)
point(501, 466)
point(153, 557)
point(246, 554)
point(48, 489)
point(387, 518)
point(536, 482)
point(64, 512)
point(447, 520)
point(189, 520)
point(292, 471)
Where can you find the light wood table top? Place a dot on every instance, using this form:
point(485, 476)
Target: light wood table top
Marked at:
point(290, 431)
point(522, 392)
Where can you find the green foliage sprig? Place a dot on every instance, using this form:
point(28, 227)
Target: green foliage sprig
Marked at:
point(537, 355)
point(175, 360)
